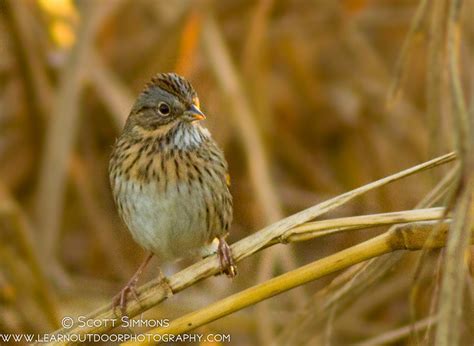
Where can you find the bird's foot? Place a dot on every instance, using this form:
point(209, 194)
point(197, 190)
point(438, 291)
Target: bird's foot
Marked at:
point(225, 257)
point(121, 299)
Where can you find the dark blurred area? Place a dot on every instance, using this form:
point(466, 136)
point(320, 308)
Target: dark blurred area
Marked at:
point(296, 92)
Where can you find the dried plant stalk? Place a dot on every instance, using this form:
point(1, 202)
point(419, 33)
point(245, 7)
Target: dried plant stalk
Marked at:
point(409, 237)
point(153, 293)
point(455, 268)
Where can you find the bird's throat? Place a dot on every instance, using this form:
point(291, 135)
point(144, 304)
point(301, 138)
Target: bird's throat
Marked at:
point(186, 136)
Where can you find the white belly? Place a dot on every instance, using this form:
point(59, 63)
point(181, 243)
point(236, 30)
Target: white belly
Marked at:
point(172, 225)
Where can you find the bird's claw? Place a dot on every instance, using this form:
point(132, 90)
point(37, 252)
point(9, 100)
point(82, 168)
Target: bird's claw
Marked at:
point(121, 299)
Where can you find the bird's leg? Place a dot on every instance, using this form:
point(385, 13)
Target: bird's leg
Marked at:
point(120, 300)
point(225, 257)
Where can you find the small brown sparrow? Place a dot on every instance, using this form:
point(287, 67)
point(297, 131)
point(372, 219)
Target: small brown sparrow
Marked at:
point(169, 178)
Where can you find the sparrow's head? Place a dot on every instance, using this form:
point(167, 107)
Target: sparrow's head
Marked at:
point(167, 100)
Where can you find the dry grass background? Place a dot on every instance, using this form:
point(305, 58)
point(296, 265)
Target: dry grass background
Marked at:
point(309, 99)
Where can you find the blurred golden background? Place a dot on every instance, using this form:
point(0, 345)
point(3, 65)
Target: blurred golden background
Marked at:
point(308, 99)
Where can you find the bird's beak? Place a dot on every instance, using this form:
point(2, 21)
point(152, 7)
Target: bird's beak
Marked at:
point(194, 113)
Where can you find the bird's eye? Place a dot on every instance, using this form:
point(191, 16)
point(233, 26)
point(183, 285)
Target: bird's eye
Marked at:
point(164, 109)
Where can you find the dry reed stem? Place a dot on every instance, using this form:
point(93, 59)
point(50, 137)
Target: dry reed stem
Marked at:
point(349, 286)
point(316, 229)
point(455, 267)
point(409, 237)
point(153, 293)
point(421, 261)
point(455, 270)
